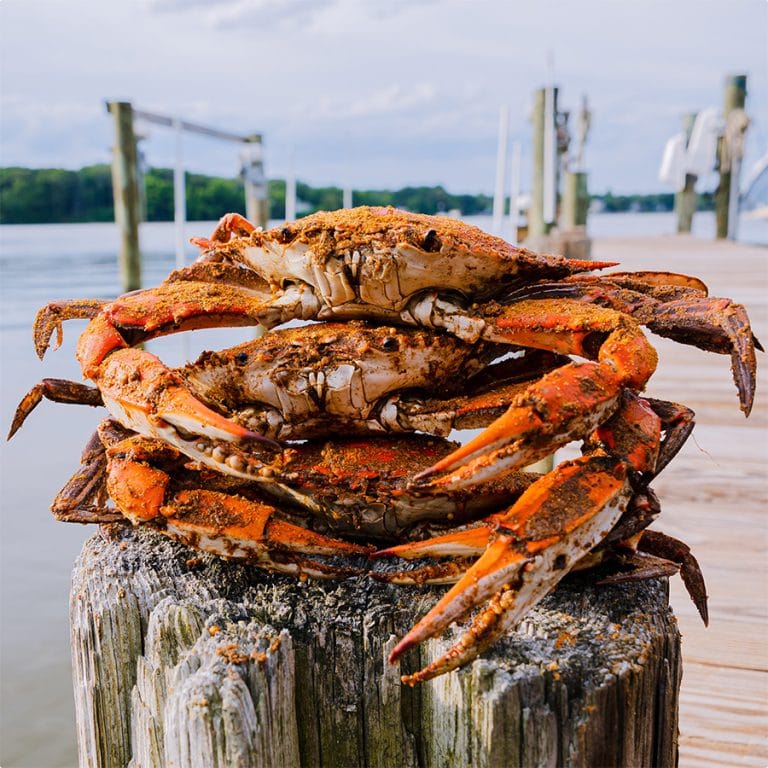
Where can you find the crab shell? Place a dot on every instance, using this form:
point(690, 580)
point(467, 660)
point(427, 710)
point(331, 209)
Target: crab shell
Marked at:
point(337, 374)
point(383, 257)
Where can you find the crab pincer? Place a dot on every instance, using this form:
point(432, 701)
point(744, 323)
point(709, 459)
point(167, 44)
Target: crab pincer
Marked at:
point(150, 485)
point(564, 404)
point(533, 546)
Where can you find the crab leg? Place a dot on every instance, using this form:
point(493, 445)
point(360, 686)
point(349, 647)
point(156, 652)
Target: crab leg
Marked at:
point(563, 405)
point(660, 545)
point(57, 390)
point(203, 295)
point(677, 422)
point(671, 305)
point(83, 498)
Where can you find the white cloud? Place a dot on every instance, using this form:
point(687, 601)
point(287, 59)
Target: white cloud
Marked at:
point(390, 100)
point(405, 90)
point(234, 13)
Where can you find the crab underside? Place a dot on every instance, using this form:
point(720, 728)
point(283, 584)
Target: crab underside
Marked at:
point(327, 441)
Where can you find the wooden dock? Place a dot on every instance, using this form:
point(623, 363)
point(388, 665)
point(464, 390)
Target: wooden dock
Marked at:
point(714, 496)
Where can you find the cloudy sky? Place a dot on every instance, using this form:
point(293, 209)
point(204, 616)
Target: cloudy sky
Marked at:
point(373, 93)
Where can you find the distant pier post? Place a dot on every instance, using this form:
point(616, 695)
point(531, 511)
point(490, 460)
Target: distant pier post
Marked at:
point(255, 181)
point(125, 188)
point(685, 198)
point(572, 239)
point(542, 211)
point(729, 156)
point(575, 200)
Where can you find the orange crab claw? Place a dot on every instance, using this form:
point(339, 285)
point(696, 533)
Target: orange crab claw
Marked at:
point(563, 405)
point(536, 543)
point(468, 542)
point(576, 398)
point(149, 397)
point(223, 524)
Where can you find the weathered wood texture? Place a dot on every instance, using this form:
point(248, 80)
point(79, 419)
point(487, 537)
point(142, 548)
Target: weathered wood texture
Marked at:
point(188, 661)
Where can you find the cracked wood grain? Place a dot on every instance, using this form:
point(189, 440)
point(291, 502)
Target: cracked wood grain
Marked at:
point(182, 660)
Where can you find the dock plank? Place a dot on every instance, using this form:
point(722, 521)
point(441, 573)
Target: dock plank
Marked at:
point(715, 497)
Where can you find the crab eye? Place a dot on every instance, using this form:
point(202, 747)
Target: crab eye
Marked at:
point(431, 241)
point(285, 235)
point(390, 344)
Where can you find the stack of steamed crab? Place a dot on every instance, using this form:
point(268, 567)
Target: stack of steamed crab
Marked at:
point(313, 450)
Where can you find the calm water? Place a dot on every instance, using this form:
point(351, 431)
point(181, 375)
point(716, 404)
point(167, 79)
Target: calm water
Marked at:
point(38, 264)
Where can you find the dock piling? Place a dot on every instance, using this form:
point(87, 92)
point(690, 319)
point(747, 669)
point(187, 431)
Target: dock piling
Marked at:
point(541, 215)
point(685, 198)
point(255, 182)
point(729, 156)
point(125, 186)
point(188, 661)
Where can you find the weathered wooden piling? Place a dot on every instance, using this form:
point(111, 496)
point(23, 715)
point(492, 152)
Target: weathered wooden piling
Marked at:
point(255, 182)
point(542, 211)
point(571, 238)
point(125, 189)
point(729, 156)
point(188, 660)
point(575, 200)
point(685, 198)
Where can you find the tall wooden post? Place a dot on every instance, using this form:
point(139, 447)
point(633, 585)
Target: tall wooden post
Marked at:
point(575, 201)
point(255, 181)
point(540, 219)
point(735, 99)
point(501, 170)
point(685, 198)
point(125, 189)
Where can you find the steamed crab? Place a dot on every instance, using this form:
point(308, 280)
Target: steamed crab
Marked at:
point(479, 292)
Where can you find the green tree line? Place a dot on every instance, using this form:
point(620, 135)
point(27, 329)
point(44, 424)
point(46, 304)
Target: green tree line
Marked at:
point(55, 195)
point(664, 201)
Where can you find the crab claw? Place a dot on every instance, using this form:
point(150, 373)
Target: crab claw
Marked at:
point(462, 546)
point(523, 435)
point(223, 524)
point(566, 403)
point(147, 397)
point(537, 541)
point(468, 542)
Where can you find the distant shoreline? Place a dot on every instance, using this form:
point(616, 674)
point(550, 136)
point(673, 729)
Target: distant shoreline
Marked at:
point(59, 196)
